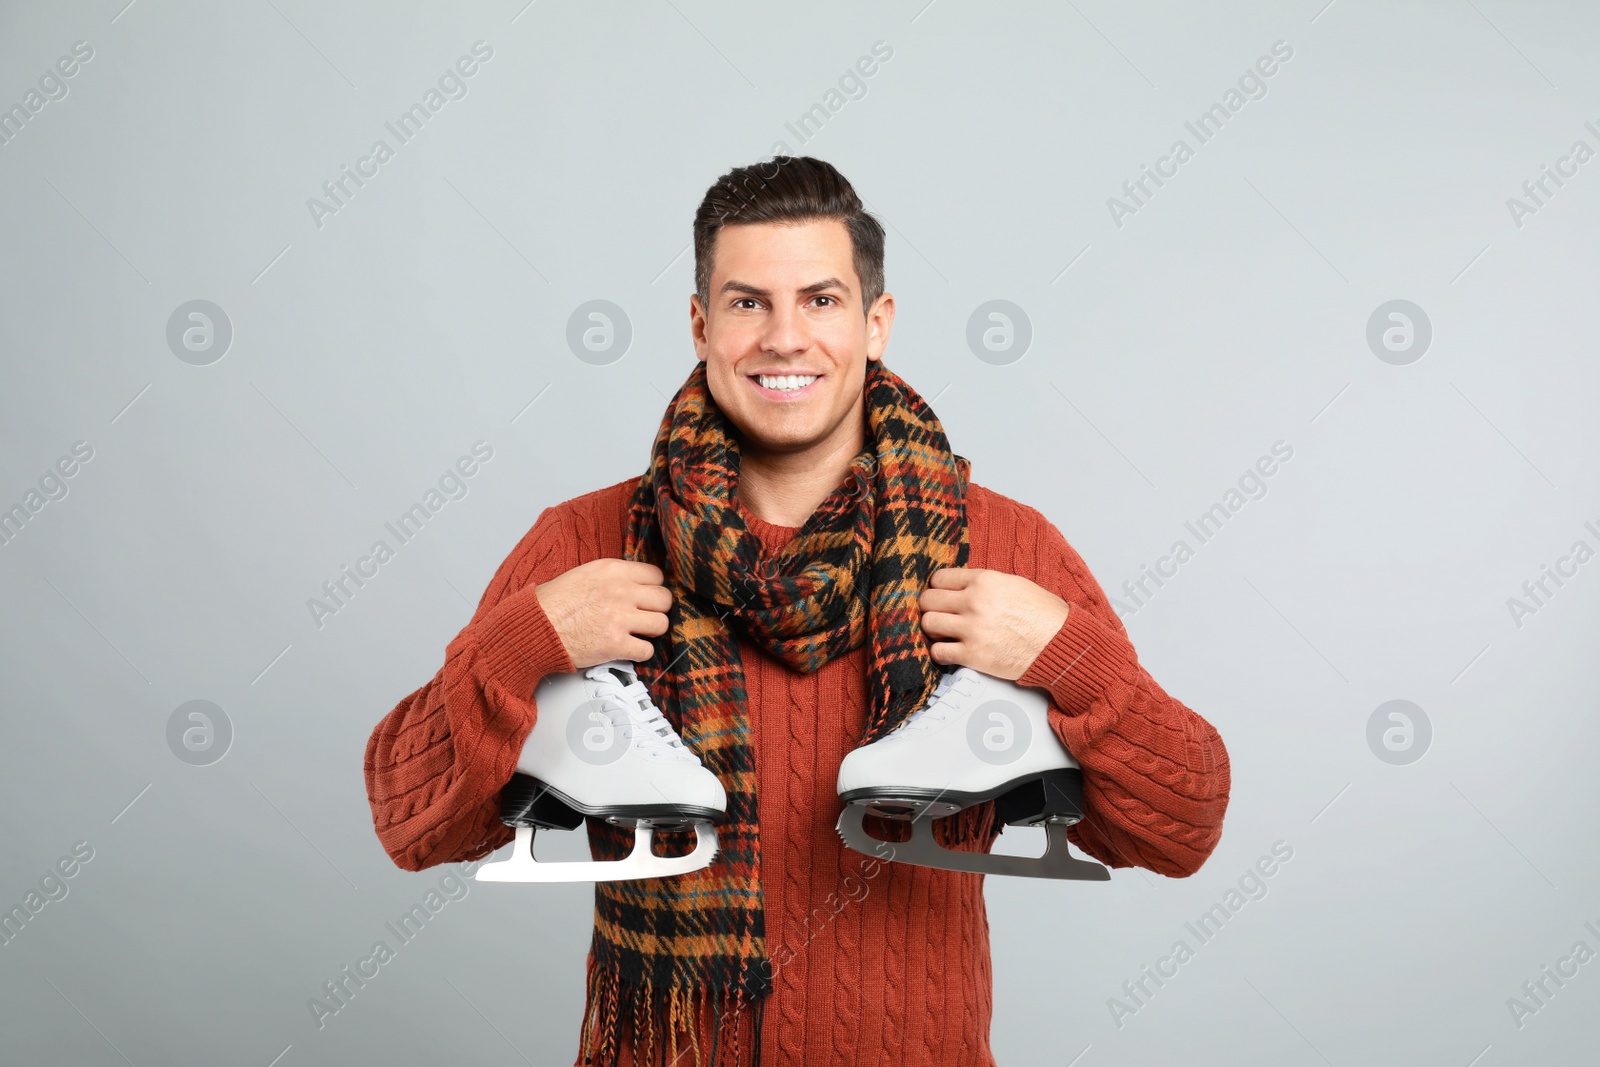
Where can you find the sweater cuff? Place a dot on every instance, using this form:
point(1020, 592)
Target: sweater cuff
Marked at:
point(517, 645)
point(1083, 660)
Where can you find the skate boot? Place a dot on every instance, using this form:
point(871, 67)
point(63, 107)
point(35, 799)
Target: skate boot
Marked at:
point(978, 738)
point(600, 747)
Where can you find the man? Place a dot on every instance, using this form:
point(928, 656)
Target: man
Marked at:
point(751, 568)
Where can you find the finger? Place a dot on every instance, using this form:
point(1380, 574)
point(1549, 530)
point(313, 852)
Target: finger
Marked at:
point(952, 577)
point(947, 651)
point(643, 573)
point(943, 624)
point(949, 600)
point(639, 651)
point(652, 597)
point(648, 623)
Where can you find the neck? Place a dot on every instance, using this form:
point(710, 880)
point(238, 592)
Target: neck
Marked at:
point(784, 488)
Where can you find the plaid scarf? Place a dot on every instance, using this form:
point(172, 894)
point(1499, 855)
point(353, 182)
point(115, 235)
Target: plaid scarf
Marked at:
point(667, 949)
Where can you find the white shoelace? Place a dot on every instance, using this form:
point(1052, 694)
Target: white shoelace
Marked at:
point(941, 704)
point(651, 732)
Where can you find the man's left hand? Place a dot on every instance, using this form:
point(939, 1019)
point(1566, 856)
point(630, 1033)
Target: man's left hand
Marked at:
point(994, 622)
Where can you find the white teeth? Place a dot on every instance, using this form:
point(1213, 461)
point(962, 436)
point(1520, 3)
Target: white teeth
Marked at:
point(786, 383)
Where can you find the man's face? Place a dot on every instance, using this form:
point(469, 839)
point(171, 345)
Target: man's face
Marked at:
point(785, 300)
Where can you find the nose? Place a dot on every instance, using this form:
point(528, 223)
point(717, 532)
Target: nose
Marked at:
point(787, 332)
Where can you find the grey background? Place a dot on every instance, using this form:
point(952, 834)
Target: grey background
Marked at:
point(1167, 356)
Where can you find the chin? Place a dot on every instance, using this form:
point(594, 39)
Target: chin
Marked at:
point(767, 441)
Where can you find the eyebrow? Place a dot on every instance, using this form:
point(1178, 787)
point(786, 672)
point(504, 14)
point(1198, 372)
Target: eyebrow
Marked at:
point(810, 290)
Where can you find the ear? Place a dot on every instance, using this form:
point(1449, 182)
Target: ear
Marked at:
point(698, 327)
point(879, 322)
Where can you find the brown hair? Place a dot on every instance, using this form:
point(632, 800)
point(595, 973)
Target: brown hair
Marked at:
point(788, 189)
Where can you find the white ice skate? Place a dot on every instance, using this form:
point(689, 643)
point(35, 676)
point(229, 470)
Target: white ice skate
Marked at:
point(978, 738)
point(601, 747)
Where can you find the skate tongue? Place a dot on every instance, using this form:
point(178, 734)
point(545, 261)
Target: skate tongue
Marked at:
point(618, 673)
point(617, 669)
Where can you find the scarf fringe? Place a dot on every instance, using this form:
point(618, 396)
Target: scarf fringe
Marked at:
point(971, 826)
point(652, 1019)
point(849, 577)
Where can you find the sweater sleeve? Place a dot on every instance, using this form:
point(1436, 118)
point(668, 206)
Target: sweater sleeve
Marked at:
point(435, 764)
point(1155, 774)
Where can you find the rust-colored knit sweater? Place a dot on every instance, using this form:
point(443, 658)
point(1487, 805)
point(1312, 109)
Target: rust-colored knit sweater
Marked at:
point(874, 963)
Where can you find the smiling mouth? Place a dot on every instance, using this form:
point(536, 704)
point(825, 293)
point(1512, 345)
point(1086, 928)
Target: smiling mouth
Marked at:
point(784, 386)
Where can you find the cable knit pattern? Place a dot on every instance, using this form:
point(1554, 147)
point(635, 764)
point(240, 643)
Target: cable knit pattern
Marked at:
point(875, 963)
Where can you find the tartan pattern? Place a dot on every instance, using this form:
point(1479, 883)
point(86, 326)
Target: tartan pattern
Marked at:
point(666, 949)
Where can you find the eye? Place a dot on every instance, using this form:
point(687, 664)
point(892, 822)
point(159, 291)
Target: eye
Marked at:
point(743, 299)
point(824, 296)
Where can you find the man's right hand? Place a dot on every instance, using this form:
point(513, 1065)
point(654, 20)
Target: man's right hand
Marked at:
point(599, 607)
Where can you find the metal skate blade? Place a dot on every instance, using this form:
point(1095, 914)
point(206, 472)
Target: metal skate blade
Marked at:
point(924, 851)
point(908, 810)
point(640, 863)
